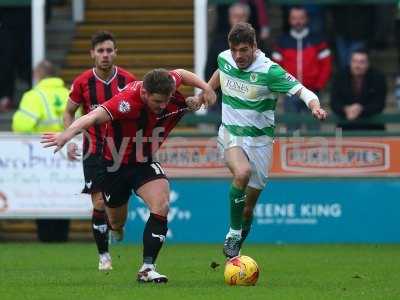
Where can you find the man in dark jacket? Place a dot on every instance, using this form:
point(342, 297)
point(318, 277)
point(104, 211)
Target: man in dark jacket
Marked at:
point(358, 93)
point(237, 12)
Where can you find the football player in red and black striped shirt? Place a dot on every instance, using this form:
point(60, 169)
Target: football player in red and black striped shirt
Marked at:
point(89, 90)
point(146, 112)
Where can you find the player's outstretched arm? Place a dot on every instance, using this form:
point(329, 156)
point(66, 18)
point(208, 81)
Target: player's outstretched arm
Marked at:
point(69, 113)
point(214, 80)
point(58, 140)
point(69, 117)
point(188, 78)
point(312, 102)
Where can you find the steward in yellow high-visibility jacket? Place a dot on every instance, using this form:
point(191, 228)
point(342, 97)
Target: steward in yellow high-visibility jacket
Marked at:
point(41, 108)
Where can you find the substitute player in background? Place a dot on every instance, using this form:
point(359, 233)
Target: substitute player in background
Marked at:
point(250, 82)
point(146, 113)
point(89, 90)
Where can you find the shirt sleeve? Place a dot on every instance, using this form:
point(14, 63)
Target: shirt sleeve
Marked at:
point(177, 77)
point(121, 105)
point(278, 80)
point(75, 93)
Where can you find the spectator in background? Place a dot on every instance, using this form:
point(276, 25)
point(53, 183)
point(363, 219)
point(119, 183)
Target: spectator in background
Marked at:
point(316, 17)
point(238, 12)
point(41, 110)
point(257, 17)
point(354, 29)
point(304, 55)
point(15, 51)
point(397, 37)
point(358, 93)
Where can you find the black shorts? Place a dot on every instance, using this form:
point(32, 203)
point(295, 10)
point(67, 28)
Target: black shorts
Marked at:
point(118, 185)
point(94, 173)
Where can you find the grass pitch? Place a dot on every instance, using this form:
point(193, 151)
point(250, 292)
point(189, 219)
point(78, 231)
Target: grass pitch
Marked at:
point(69, 271)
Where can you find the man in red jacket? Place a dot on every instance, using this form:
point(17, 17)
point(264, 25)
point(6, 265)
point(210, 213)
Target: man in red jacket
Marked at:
point(304, 55)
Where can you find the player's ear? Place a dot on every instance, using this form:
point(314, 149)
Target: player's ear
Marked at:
point(143, 93)
point(92, 53)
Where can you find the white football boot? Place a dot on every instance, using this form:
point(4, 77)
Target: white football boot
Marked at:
point(105, 262)
point(148, 273)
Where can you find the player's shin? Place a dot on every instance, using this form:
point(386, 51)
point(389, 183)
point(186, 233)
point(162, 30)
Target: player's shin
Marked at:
point(154, 235)
point(237, 201)
point(246, 227)
point(100, 230)
point(232, 240)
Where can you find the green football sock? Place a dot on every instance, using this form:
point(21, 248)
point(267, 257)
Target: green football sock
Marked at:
point(237, 199)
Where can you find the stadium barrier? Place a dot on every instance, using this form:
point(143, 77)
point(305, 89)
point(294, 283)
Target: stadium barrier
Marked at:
point(321, 189)
point(306, 210)
point(304, 119)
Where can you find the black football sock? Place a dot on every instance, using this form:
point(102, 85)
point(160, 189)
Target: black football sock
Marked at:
point(100, 230)
point(153, 237)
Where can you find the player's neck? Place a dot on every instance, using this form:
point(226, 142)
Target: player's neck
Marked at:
point(105, 74)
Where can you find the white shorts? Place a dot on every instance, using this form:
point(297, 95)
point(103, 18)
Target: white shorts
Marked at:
point(259, 153)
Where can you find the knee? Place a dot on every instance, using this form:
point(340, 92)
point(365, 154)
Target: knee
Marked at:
point(98, 202)
point(162, 206)
point(116, 224)
point(242, 176)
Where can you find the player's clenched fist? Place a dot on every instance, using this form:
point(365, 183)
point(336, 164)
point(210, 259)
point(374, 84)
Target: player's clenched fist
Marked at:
point(319, 113)
point(209, 97)
point(194, 102)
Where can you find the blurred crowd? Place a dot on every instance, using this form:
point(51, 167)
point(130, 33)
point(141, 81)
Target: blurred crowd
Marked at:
point(326, 47)
point(15, 50)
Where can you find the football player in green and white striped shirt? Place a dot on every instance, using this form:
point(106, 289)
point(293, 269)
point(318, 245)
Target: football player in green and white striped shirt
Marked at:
point(250, 84)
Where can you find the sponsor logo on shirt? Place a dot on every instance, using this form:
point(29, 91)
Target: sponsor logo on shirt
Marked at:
point(236, 86)
point(93, 106)
point(227, 67)
point(253, 77)
point(124, 106)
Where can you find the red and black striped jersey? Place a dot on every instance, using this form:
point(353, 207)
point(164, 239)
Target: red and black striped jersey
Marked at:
point(89, 91)
point(137, 132)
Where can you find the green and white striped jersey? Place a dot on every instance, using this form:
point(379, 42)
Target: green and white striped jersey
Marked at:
point(249, 96)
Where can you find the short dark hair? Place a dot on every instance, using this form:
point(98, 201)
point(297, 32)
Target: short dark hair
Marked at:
point(46, 68)
point(102, 36)
point(159, 81)
point(297, 7)
point(360, 50)
point(242, 32)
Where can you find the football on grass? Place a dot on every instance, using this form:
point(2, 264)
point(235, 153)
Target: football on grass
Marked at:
point(241, 270)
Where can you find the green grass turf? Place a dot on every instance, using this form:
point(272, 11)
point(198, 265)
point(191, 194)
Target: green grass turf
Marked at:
point(69, 271)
